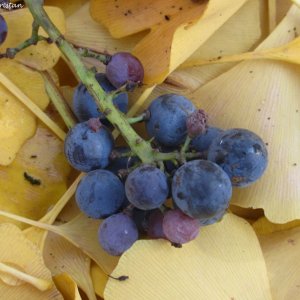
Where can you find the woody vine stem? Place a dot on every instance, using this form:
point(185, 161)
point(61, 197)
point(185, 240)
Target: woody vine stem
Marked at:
point(138, 145)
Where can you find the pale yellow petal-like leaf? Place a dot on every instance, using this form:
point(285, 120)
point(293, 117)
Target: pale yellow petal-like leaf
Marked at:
point(38, 235)
point(67, 286)
point(85, 32)
point(99, 279)
point(68, 7)
point(224, 262)
point(238, 34)
point(61, 256)
point(264, 226)
point(82, 232)
point(282, 255)
point(262, 96)
point(34, 280)
point(17, 123)
point(42, 56)
point(42, 158)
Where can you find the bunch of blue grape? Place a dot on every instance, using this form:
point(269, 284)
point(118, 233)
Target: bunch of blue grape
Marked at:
point(169, 199)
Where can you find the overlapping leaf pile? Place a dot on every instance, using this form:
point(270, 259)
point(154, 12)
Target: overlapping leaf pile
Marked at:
point(201, 53)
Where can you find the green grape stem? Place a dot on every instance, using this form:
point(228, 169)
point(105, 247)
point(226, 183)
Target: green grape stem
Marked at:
point(137, 144)
point(33, 40)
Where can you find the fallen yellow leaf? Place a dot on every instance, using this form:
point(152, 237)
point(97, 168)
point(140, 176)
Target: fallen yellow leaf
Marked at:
point(282, 254)
point(264, 226)
point(23, 276)
point(67, 286)
point(99, 279)
point(40, 159)
point(224, 262)
point(61, 256)
point(262, 96)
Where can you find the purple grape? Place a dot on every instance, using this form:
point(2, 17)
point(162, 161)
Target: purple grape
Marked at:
point(180, 228)
point(117, 233)
point(100, 194)
point(124, 68)
point(88, 145)
point(146, 187)
point(201, 189)
point(155, 225)
point(3, 30)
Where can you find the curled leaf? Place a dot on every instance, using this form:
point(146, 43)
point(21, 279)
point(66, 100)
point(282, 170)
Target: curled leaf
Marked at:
point(99, 279)
point(67, 286)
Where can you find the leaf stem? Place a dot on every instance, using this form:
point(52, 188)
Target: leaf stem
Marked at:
point(58, 100)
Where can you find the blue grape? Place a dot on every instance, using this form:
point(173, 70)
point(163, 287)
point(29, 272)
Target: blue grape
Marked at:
point(241, 154)
point(179, 228)
point(201, 189)
point(146, 187)
point(202, 142)
point(3, 30)
point(100, 194)
point(84, 105)
point(124, 68)
point(88, 149)
point(167, 121)
point(117, 233)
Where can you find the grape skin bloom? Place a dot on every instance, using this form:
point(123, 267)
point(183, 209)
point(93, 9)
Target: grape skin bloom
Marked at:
point(201, 189)
point(241, 154)
point(146, 187)
point(117, 234)
point(87, 149)
point(100, 194)
point(168, 116)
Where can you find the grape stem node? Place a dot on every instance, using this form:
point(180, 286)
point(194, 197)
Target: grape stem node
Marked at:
point(33, 40)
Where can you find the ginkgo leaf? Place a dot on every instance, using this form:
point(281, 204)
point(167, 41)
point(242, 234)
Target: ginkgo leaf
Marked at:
point(17, 124)
point(42, 56)
point(239, 34)
point(81, 232)
point(85, 32)
point(282, 255)
point(61, 256)
point(67, 286)
point(139, 16)
point(34, 280)
point(37, 235)
point(264, 226)
point(99, 279)
point(262, 96)
point(68, 7)
point(224, 262)
point(37, 178)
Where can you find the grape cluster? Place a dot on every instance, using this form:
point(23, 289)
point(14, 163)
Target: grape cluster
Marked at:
point(205, 163)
